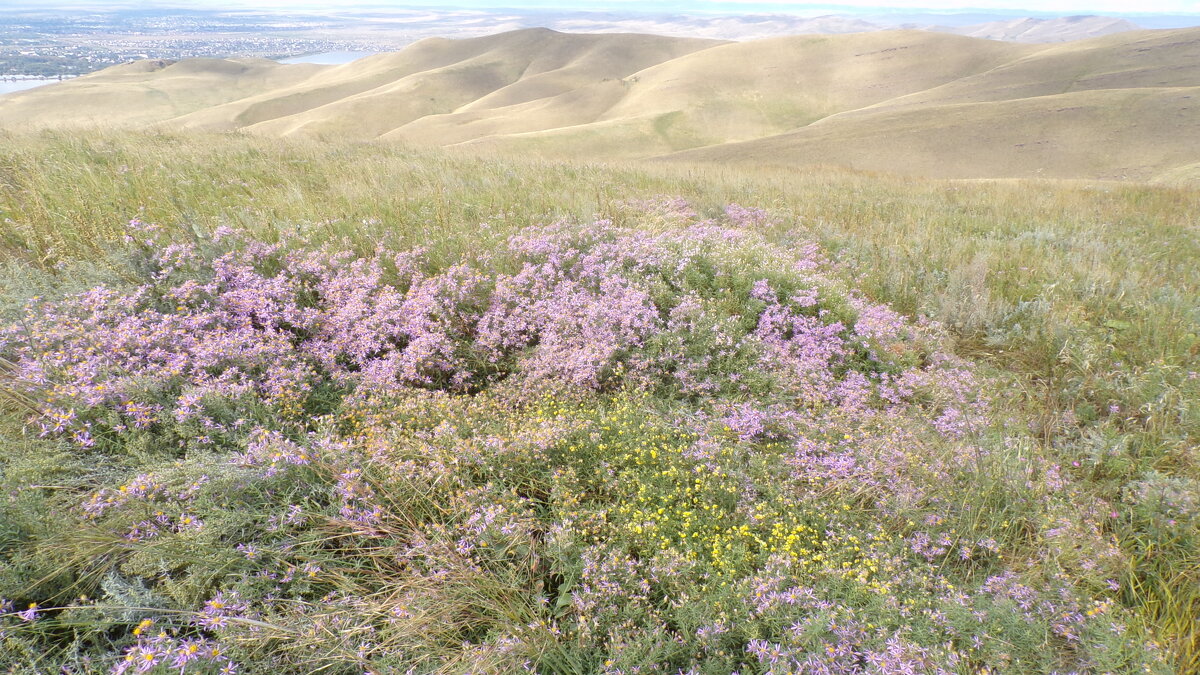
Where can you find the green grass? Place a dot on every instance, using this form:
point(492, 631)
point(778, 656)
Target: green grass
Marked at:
point(1082, 298)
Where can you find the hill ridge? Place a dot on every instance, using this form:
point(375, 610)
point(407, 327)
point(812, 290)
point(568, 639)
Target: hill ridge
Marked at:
point(636, 96)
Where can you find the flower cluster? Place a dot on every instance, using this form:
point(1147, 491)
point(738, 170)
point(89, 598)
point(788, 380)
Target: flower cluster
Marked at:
point(673, 447)
point(264, 325)
point(187, 655)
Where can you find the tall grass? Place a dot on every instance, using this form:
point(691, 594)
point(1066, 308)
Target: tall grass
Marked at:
point(1081, 296)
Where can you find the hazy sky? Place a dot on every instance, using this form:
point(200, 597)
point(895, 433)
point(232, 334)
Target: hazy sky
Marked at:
point(1123, 7)
point(1073, 6)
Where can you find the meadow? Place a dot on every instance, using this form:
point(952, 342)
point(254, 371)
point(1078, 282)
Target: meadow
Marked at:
point(291, 407)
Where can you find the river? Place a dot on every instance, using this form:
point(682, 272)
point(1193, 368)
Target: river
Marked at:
point(326, 58)
point(9, 86)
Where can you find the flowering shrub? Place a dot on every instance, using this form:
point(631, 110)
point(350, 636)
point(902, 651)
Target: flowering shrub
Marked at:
point(664, 448)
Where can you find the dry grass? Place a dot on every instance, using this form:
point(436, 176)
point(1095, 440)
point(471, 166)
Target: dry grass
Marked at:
point(1112, 134)
point(145, 92)
point(1083, 295)
point(920, 103)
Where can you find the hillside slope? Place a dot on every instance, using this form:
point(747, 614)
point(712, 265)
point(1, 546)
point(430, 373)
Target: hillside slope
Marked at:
point(366, 99)
point(1115, 106)
point(144, 92)
point(744, 90)
point(1123, 61)
point(1058, 29)
point(1120, 134)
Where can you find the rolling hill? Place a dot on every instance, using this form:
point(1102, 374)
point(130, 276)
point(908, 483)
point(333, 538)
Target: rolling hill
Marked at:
point(1120, 134)
point(1114, 107)
point(379, 94)
point(1059, 29)
point(144, 92)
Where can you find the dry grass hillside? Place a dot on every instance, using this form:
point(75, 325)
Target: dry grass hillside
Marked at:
point(1115, 107)
point(1141, 59)
point(143, 92)
point(1121, 134)
point(747, 90)
point(1058, 29)
point(369, 98)
point(933, 104)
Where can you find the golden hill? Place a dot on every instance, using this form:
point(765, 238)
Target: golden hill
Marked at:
point(1167, 58)
point(1118, 134)
point(1118, 106)
point(369, 98)
point(144, 92)
point(742, 90)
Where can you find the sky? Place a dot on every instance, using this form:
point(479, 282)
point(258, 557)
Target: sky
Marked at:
point(1122, 7)
point(732, 6)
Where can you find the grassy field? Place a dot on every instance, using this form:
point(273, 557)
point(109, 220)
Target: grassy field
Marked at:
point(652, 482)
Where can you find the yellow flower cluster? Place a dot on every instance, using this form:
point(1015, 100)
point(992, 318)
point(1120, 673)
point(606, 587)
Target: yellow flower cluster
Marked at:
point(672, 496)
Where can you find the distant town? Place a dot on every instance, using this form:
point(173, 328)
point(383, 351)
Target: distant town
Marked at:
point(56, 45)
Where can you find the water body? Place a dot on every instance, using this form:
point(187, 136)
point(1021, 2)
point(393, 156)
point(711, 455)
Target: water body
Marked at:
point(9, 86)
point(328, 58)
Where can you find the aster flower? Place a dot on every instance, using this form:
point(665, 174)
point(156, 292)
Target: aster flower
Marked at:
point(30, 613)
